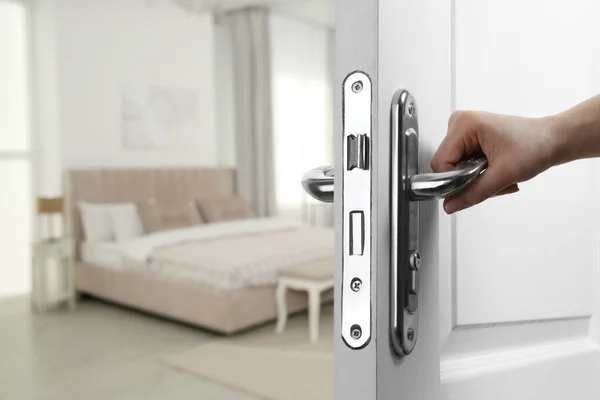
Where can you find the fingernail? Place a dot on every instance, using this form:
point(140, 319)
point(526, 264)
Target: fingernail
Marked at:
point(453, 206)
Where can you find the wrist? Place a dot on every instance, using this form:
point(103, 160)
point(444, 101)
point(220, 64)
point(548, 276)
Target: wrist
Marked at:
point(575, 133)
point(558, 130)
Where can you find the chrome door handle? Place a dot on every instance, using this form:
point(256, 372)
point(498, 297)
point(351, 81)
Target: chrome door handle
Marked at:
point(319, 182)
point(437, 185)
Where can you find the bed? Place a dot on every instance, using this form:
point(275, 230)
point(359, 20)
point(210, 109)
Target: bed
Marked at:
point(188, 274)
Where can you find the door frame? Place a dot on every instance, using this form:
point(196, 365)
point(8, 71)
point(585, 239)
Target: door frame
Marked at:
point(371, 38)
point(356, 43)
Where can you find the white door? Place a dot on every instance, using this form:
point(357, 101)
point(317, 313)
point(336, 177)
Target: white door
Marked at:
point(508, 301)
point(519, 283)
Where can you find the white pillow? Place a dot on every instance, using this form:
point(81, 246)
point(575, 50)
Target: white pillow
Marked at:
point(96, 222)
point(125, 222)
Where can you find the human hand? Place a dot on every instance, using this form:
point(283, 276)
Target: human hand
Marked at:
point(517, 149)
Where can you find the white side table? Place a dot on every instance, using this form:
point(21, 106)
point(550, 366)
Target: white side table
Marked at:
point(63, 252)
point(314, 279)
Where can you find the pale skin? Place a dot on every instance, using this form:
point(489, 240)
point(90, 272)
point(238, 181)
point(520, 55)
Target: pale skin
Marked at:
point(517, 148)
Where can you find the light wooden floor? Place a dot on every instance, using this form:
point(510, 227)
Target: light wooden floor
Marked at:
point(97, 351)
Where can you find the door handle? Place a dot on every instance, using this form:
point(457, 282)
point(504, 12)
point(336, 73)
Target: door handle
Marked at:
point(408, 188)
point(437, 185)
point(319, 182)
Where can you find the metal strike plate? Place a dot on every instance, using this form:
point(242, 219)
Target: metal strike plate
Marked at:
point(404, 225)
point(356, 209)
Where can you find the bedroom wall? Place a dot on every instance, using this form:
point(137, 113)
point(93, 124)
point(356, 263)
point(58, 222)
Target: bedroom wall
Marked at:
point(99, 46)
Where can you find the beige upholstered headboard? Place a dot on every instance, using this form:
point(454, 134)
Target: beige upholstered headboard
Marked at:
point(113, 186)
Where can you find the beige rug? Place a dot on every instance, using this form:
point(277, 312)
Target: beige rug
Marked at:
point(266, 365)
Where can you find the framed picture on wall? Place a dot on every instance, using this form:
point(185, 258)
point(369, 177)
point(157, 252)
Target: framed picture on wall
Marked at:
point(154, 117)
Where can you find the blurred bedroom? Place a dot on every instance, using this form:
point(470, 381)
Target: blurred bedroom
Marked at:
point(154, 234)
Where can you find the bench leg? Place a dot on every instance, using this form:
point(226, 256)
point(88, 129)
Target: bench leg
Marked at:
point(281, 303)
point(314, 314)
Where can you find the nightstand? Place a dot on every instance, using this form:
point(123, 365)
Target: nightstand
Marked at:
point(62, 253)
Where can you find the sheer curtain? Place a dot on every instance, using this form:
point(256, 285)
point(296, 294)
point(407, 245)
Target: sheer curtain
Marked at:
point(16, 200)
point(302, 69)
point(299, 105)
point(249, 32)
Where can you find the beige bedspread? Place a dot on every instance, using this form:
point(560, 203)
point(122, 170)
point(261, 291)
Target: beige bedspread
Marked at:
point(239, 261)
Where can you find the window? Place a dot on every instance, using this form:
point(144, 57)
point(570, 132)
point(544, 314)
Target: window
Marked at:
point(302, 106)
point(15, 161)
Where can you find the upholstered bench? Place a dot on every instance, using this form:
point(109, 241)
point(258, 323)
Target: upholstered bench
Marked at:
point(314, 278)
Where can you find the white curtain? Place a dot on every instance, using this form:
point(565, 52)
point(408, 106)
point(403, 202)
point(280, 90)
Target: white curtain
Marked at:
point(16, 167)
point(302, 65)
point(313, 212)
point(249, 29)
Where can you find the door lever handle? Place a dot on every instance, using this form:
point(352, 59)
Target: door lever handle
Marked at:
point(319, 182)
point(437, 185)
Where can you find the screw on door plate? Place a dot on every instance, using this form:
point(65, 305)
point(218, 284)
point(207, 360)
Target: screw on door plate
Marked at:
point(356, 284)
point(355, 332)
point(410, 334)
point(410, 109)
point(357, 86)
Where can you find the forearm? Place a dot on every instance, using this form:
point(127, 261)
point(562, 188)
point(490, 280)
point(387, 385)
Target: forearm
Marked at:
point(576, 132)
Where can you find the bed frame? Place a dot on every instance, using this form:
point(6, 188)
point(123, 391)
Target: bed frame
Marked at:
point(221, 311)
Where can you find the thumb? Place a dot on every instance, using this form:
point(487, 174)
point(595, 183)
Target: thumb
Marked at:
point(492, 181)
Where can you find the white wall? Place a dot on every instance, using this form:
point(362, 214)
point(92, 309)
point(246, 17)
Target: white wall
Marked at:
point(100, 46)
